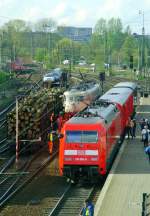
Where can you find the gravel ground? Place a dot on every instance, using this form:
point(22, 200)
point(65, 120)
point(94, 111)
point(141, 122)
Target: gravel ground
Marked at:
point(37, 196)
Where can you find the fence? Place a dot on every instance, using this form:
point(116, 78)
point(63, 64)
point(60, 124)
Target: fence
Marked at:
point(146, 205)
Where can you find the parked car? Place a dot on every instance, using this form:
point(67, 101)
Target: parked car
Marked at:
point(53, 76)
point(82, 63)
point(66, 62)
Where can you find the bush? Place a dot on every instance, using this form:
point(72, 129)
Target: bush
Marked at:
point(3, 77)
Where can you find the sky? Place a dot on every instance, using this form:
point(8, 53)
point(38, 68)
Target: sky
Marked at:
point(80, 13)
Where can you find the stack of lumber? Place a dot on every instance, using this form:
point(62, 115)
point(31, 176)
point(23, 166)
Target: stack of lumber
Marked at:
point(34, 112)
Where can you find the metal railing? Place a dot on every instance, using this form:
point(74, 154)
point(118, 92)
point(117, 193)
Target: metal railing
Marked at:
point(146, 205)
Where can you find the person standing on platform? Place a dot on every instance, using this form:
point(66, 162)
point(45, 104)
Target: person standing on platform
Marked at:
point(146, 135)
point(128, 129)
point(147, 123)
point(142, 123)
point(132, 129)
point(147, 151)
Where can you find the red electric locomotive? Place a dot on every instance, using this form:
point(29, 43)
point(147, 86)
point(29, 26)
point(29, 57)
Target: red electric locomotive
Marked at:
point(90, 138)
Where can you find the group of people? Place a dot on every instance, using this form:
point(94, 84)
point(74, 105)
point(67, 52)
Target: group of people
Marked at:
point(145, 131)
point(56, 124)
point(131, 128)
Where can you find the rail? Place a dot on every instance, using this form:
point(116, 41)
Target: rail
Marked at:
point(4, 149)
point(72, 200)
point(13, 181)
point(3, 124)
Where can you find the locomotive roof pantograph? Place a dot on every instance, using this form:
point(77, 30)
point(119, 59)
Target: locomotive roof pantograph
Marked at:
point(120, 92)
point(81, 88)
point(95, 114)
point(130, 85)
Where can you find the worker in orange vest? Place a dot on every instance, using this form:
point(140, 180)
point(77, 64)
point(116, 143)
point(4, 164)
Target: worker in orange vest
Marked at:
point(51, 141)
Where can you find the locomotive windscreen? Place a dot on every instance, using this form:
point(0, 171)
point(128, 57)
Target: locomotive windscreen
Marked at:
point(81, 137)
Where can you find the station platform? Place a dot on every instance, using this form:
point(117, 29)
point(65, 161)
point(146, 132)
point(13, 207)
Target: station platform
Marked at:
point(129, 177)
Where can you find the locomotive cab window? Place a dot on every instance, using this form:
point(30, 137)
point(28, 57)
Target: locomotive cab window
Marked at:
point(73, 136)
point(81, 137)
point(89, 136)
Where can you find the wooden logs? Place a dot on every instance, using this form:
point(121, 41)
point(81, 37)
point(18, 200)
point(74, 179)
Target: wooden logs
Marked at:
point(34, 112)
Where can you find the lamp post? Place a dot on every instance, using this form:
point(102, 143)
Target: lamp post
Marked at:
point(143, 43)
point(48, 33)
point(17, 133)
point(105, 47)
point(71, 57)
point(31, 45)
point(137, 37)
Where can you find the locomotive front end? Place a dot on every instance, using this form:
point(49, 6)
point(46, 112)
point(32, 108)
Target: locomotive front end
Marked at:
point(81, 152)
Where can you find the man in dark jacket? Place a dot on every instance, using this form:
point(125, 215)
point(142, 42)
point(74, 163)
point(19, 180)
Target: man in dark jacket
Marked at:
point(134, 128)
point(147, 151)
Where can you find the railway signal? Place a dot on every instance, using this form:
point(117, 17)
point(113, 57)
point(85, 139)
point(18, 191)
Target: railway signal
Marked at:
point(102, 79)
point(131, 62)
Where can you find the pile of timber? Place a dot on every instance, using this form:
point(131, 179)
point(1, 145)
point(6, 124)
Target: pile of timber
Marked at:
point(34, 112)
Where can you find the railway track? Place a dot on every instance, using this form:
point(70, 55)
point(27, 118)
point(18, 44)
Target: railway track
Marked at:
point(12, 179)
point(72, 200)
point(63, 204)
point(5, 147)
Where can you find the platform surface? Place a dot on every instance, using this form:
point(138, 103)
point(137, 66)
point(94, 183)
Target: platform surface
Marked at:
point(129, 177)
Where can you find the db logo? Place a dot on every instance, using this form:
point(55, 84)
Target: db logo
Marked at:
point(80, 152)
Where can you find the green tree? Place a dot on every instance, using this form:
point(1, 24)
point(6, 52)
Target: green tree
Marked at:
point(129, 48)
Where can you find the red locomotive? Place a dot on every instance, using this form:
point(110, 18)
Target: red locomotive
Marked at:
point(90, 138)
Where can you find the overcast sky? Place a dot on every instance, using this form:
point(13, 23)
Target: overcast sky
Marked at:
point(82, 13)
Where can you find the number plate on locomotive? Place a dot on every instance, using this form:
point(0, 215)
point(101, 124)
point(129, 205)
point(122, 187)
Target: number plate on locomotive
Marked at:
point(81, 152)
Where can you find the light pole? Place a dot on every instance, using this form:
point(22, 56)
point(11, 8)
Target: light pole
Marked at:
point(105, 47)
point(71, 59)
point(143, 43)
point(31, 45)
point(17, 134)
point(47, 29)
point(137, 37)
